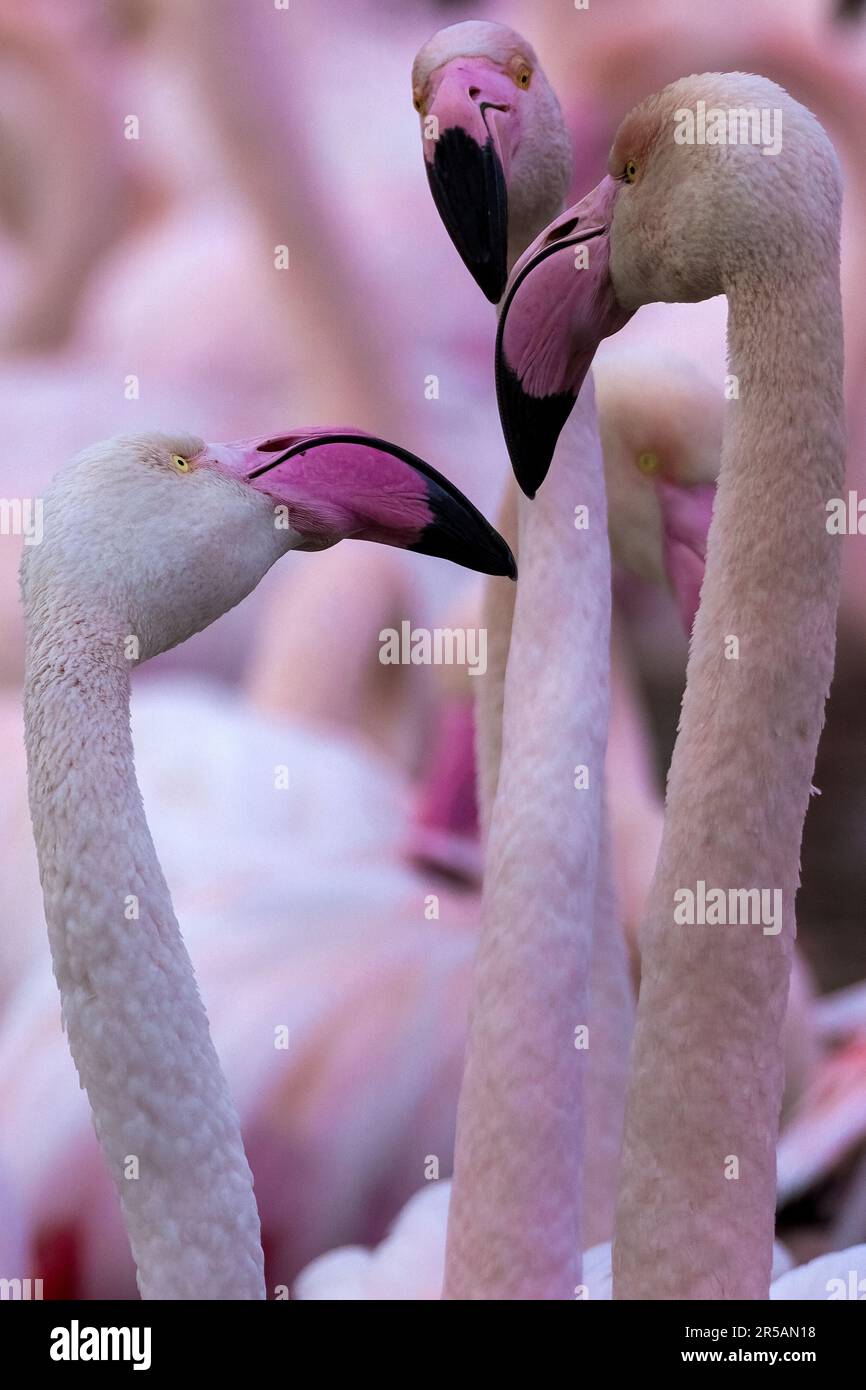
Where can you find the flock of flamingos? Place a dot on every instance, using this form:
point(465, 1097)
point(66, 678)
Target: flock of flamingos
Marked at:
point(606, 1145)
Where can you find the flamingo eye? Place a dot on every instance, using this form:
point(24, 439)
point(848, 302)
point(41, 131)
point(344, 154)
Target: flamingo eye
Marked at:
point(418, 104)
point(181, 464)
point(630, 171)
point(649, 464)
point(523, 75)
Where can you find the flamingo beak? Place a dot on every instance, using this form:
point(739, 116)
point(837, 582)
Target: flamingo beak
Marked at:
point(469, 128)
point(332, 485)
point(686, 516)
point(558, 306)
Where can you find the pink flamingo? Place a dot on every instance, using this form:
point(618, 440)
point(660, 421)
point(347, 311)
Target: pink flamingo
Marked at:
point(65, 191)
point(144, 512)
point(828, 1127)
point(498, 158)
point(515, 1217)
point(672, 222)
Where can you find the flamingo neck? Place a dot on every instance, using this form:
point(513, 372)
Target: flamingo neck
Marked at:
point(527, 218)
point(137, 1030)
point(696, 1210)
point(514, 1229)
point(611, 1024)
point(524, 227)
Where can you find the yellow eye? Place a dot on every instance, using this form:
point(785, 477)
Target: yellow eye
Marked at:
point(418, 104)
point(522, 75)
point(181, 464)
point(649, 464)
point(630, 173)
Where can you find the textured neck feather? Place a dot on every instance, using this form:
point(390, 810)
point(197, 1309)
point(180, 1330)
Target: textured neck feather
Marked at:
point(137, 1029)
point(695, 1217)
point(514, 1224)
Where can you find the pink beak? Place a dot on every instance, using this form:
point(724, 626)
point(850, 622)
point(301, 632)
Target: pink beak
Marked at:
point(686, 516)
point(467, 161)
point(559, 304)
point(345, 484)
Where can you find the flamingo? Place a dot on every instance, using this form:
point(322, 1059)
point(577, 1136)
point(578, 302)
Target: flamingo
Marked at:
point(65, 190)
point(498, 158)
point(678, 221)
point(144, 513)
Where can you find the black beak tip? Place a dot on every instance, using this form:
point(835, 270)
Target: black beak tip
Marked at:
point(530, 465)
point(503, 563)
point(531, 426)
point(490, 280)
point(456, 530)
point(467, 539)
point(468, 187)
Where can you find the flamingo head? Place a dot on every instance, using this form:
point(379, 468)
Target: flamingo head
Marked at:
point(660, 423)
point(679, 217)
point(496, 149)
point(163, 534)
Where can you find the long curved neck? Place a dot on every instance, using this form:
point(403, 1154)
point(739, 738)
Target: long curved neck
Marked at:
point(514, 1228)
point(499, 594)
point(611, 1005)
point(695, 1216)
point(137, 1030)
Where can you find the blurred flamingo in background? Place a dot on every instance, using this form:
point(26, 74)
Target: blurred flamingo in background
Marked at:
point(67, 192)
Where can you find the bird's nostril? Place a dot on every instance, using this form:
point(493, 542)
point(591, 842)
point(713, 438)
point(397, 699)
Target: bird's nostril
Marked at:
point(273, 446)
point(474, 92)
point(564, 230)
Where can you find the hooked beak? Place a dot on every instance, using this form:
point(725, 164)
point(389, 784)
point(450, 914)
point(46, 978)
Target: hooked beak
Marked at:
point(345, 484)
point(469, 128)
point(686, 516)
point(559, 304)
